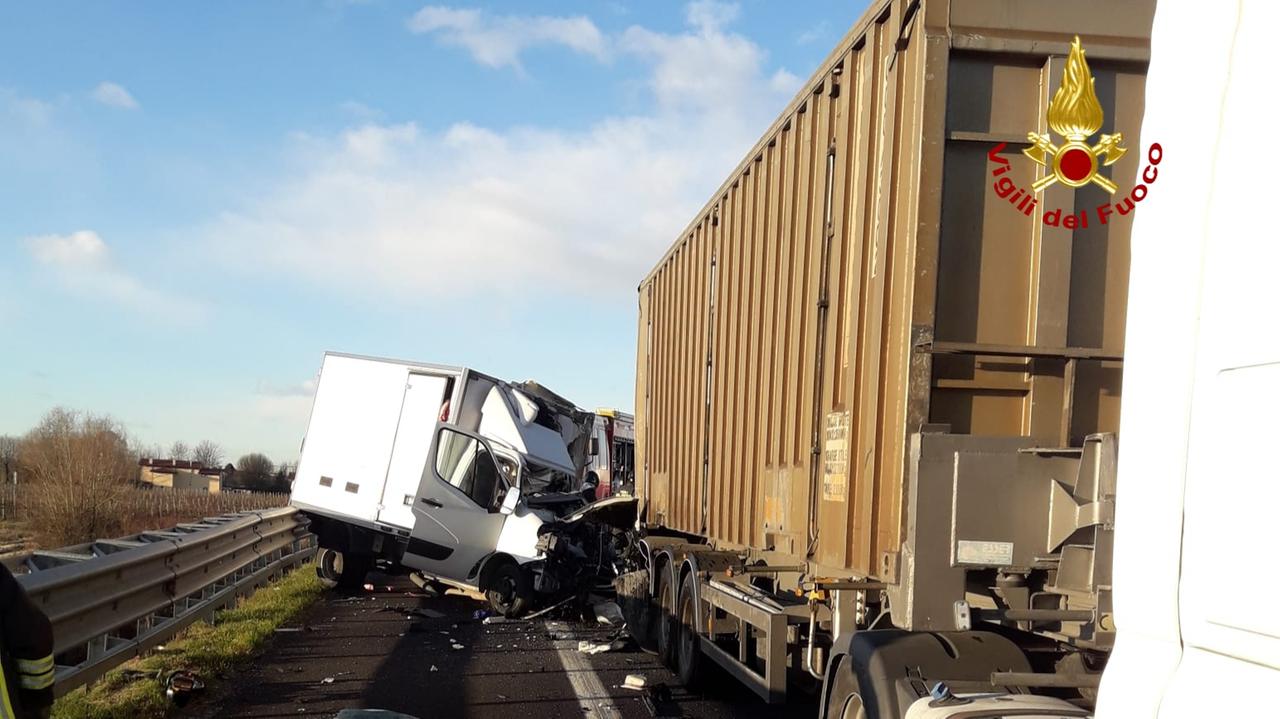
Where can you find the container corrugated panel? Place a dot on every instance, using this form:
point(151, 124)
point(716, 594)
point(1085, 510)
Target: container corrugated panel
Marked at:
point(791, 338)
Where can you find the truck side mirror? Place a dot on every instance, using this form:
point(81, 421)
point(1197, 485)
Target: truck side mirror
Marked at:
point(509, 501)
point(595, 446)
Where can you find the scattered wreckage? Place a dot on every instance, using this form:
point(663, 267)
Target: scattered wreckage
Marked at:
point(460, 477)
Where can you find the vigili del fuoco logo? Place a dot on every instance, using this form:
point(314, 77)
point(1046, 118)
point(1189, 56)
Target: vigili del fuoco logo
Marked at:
point(1076, 115)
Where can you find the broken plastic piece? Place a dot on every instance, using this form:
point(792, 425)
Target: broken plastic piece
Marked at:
point(608, 613)
point(634, 681)
point(180, 685)
point(589, 647)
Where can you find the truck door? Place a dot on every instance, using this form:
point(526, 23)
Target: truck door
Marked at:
point(419, 415)
point(457, 508)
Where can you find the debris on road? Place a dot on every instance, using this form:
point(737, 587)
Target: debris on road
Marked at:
point(133, 675)
point(608, 613)
point(657, 699)
point(181, 685)
point(589, 647)
point(634, 681)
point(425, 613)
point(327, 680)
point(458, 646)
point(496, 619)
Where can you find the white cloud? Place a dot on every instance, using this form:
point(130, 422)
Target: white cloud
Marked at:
point(305, 388)
point(78, 249)
point(360, 110)
point(278, 406)
point(498, 40)
point(710, 15)
point(520, 213)
point(813, 34)
point(27, 110)
point(82, 263)
point(109, 93)
point(784, 82)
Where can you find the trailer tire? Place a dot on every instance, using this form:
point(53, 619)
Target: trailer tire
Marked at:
point(666, 629)
point(688, 647)
point(352, 569)
point(508, 590)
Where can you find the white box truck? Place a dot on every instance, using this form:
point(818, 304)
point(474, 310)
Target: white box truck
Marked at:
point(453, 473)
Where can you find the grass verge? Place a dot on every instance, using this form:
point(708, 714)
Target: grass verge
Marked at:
point(206, 649)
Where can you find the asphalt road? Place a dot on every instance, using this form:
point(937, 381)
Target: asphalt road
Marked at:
point(393, 649)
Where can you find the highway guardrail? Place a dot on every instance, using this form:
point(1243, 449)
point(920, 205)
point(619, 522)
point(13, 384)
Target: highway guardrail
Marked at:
point(114, 599)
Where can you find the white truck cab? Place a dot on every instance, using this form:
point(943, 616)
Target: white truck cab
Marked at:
point(439, 469)
point(1198, 631)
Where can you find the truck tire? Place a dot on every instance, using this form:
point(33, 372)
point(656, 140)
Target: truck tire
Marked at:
point(326, 569)
point(666, 622)
point(352, 569)
point(508, 590)
point(688, 647)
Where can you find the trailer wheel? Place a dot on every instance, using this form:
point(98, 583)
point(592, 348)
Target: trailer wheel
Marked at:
point(508, 590)
point(688, 651)
point(352, 569)
point(666, 618)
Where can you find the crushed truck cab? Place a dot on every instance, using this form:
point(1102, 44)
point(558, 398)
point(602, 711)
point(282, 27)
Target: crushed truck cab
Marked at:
point(466, 479)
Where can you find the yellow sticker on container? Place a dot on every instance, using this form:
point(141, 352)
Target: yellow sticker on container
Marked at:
point(835, 458)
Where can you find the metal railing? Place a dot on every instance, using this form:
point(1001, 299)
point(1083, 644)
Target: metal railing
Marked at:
point(114, 599)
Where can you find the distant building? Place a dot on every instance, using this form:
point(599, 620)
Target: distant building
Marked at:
point(180, 474)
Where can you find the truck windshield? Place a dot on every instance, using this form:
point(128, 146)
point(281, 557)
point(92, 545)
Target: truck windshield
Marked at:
point(540, 479)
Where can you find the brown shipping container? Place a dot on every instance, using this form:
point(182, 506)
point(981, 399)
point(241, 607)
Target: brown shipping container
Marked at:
point(857, 278)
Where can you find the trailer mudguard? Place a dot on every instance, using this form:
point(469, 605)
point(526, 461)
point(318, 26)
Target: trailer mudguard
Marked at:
point(889, 669)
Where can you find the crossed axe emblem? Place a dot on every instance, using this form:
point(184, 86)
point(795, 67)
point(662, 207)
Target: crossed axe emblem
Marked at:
point(1046, 154)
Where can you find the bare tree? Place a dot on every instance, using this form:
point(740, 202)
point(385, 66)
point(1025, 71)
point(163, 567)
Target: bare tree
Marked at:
point(283, 480)
point(81, 468)
point(8, 458)
point(149, 451)
point(254, 471)
point(180, 451)
point(208, 454)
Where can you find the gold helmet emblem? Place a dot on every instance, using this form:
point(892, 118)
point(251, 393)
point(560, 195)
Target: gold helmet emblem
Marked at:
point(1075, 114)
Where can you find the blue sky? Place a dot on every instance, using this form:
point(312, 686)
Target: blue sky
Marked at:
point(198, 200)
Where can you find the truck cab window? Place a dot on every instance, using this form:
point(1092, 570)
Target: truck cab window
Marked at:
point(465, 463)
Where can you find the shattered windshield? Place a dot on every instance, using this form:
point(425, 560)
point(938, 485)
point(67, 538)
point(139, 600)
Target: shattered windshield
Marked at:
point(541, 479)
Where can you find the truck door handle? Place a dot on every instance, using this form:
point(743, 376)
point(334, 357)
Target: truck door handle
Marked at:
point(432, 502)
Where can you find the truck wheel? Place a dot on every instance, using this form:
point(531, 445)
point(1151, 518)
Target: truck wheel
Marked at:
point(352, 569)
point(508, 590)
point(688, 646)
point(326, 561)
